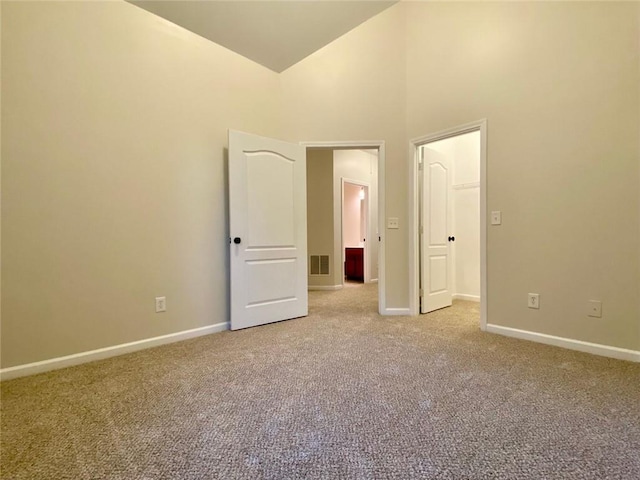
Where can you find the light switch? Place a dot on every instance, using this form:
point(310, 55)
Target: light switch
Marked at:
point(392, 222)
point(496, 217)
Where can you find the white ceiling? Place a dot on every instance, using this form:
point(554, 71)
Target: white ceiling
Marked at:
point(276, 34)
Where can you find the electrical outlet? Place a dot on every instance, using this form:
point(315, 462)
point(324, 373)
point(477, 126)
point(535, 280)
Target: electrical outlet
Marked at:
point(161, 304)
point(392, 222)
point(533, 301)
point(496, 217)
point(594, 308)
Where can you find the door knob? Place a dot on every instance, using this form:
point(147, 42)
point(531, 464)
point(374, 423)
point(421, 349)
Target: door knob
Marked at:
point(236, 240)
point(452, 239)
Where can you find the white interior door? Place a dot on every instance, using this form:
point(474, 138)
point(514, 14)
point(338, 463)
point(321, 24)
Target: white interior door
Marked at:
point(268, 228)
point(436, 266)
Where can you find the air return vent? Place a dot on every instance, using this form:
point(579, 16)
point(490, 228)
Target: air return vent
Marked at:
point(319, 265)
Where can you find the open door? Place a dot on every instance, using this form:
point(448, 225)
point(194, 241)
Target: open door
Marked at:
point(268, 228)
point(436, 268)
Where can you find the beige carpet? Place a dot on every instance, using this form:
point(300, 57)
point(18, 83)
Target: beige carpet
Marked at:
point(343, 394)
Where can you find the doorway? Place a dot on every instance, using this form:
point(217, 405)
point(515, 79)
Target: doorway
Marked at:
point(336, 169)
point(449, 212)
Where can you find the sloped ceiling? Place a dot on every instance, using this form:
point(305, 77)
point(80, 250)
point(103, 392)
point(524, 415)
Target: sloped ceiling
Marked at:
point(275, 34)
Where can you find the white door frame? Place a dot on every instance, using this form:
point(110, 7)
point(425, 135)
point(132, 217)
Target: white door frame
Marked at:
point(379, 146)
point(365, 251)
point(414, 256)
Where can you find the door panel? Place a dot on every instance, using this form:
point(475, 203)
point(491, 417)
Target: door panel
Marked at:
point(271, 281)
point(437, 205)
point(271, 213)
point(267, 213)
point(438, 278)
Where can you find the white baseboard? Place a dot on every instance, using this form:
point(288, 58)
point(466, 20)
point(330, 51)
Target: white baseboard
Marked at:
point(396, 311)
point(373, 280)
point(593, 348)
point(470, 298)
point(324, 287)
point(102, 353)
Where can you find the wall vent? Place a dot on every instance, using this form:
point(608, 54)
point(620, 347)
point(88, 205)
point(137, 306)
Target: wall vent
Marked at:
point(319, 265)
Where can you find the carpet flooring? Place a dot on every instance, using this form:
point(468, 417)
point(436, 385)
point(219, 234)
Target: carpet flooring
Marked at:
point(342, 393)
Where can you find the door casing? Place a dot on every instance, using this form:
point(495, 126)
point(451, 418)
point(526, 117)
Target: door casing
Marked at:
point(378, 145)
point(414, 211)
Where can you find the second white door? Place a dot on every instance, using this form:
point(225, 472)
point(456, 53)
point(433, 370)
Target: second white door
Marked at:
point(436, 266)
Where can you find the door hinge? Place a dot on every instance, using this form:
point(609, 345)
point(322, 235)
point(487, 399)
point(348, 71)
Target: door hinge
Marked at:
point(421, 229)
point(420, 165)
point(421, 292)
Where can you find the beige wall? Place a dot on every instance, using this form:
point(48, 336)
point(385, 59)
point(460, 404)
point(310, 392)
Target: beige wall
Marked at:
point(354, 89)
point(320, 212)
point(114, 126)
point(558, 84)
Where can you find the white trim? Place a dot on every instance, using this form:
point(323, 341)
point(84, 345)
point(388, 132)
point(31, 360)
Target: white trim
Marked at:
point(466, 186)
point(324, 287)
point(484, 301)
point(107, 352)
point(593, 348)
point(344, 144)
point(479, 125)
point(469, 298)
point(374, 280)
point(380, 146)
point(382, 300)
point(360, 183)
point(396, 311)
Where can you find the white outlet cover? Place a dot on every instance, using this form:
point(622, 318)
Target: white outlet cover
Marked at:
point(496, 217)
point(533, 300)
point(594, 308)
point(392, 222)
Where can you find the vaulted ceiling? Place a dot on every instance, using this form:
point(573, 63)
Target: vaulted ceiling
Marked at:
point(275, 34)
